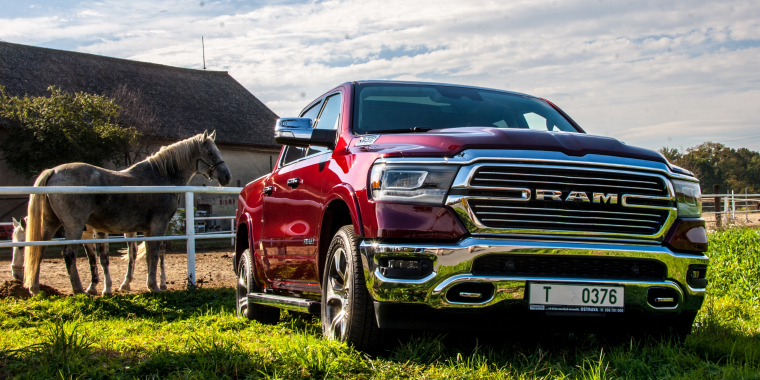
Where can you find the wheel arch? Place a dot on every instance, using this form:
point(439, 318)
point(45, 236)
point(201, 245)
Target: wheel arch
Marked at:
point(341, 209)
point(243, 238)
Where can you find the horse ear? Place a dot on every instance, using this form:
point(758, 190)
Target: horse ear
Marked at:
point(15, 223)
point(205, 134)
point(213, 135)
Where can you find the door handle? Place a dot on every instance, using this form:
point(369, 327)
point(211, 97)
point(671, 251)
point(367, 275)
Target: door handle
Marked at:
point(294, 182)
point(269, 190)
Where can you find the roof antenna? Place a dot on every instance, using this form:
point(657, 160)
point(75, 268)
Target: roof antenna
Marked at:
point(203, 44)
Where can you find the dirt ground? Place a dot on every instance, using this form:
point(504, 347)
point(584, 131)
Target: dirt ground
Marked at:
point(213, 269)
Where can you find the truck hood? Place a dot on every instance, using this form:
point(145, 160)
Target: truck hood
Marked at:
point(450, 142)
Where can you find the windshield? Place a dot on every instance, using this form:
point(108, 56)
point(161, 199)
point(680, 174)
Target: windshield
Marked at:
point(399, 108)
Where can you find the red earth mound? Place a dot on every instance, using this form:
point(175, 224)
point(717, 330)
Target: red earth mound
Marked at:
point(15, 289)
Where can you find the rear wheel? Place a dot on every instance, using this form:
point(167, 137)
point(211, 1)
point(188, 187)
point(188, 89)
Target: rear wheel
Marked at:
point(348, 313)
point(245, 285)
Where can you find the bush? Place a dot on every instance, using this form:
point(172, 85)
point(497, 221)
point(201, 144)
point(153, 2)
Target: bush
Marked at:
point(49, 131)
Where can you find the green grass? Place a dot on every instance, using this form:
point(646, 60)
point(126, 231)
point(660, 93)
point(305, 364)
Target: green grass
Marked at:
point(195, 335)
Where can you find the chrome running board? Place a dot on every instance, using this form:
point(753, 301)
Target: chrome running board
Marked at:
point(284, 302)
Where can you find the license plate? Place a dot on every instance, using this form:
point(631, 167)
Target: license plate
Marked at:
point(583, 298)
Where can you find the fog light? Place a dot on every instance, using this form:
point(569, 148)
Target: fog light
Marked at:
point(470, 292)
point(697, 276)
point(662, 297)
point(405, 268)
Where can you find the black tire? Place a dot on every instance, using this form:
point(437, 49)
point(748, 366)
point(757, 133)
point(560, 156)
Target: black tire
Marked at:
point(264, 314)
point(348, 313)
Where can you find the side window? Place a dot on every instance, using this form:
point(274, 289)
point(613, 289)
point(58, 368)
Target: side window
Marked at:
point(293, 153)
point(312, 112)
point(328, 119)
point(331, 113)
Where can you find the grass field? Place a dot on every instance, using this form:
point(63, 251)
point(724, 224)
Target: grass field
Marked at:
point(195, 335)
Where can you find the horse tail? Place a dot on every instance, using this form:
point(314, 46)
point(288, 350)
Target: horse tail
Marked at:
point(33, 254)
point(141, 251)
point(139, 255)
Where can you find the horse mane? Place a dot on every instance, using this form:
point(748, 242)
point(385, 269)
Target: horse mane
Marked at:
point(178, 156)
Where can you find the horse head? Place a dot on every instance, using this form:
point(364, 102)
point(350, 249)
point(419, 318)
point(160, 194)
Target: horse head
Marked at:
point(19, 236)
point(210, 162)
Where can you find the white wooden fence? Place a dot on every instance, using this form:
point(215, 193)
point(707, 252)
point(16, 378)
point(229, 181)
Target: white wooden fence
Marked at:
point(190, 236)
point(728, 205)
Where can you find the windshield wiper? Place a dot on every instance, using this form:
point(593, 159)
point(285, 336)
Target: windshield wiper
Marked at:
point(409, 130)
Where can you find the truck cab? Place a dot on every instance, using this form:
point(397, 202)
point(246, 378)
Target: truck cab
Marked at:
point(398, 205)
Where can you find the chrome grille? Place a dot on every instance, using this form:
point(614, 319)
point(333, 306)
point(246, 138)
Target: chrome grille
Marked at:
point(493, 202)
point(568, 180)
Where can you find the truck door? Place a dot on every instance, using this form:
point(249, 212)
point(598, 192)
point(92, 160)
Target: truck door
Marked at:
point(290, 223)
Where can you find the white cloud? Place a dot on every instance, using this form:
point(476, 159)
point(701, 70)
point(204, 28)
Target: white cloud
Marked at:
point(641, 70)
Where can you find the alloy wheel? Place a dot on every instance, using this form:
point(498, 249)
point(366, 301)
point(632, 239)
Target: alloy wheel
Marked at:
point(242, 290)
point(338, 295)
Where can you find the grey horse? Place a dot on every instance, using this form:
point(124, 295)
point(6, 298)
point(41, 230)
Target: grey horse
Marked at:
point(174, 165)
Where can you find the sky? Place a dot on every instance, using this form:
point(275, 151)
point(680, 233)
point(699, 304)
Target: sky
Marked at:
point(650, 73)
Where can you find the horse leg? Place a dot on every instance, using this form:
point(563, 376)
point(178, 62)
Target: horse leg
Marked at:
point(70, 256)
point(162, 252)
point(89, 250)
point(132, 254)
point(17, 265)
point(103, 258)
point(151, 258)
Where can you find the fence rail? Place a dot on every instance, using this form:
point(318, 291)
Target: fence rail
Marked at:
point(190, 236)
point(725, 207)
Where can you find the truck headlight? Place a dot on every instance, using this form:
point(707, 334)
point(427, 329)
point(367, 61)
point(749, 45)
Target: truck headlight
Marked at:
point(411, 184)
point(689, 198)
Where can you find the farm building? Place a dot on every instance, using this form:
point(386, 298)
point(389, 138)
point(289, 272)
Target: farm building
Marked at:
point(180, 103)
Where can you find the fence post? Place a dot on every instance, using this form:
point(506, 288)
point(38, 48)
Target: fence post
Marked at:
point(733, 207)
point(716, 200)
point(190, 232)
point(746, 206)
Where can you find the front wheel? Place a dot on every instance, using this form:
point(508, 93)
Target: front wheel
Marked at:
point(245, 285)
point(348, 313)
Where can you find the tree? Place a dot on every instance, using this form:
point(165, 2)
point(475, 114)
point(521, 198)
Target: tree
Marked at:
point(43, 132)
point(135, 112)
point(716, 164)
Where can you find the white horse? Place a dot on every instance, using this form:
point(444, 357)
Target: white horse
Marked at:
point(19, 235)
point(101, 251)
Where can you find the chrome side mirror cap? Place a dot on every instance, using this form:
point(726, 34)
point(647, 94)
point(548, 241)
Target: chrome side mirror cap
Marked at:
point(293, 131)
point(298, 131)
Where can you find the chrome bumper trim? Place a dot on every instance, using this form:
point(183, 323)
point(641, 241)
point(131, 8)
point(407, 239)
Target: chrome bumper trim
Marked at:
point(453, 265)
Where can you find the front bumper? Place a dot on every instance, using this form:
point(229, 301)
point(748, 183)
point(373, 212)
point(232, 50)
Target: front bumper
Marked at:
point(452, 265)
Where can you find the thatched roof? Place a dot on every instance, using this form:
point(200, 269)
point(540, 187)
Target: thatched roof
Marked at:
point(185, 101)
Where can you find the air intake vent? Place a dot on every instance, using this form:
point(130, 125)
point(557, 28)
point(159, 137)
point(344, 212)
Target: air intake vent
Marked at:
point(569, 267)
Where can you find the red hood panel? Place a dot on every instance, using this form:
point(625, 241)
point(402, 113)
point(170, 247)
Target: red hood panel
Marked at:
point(449, 142)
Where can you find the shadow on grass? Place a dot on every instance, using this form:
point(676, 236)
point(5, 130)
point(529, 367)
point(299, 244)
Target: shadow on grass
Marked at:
point(164, 306)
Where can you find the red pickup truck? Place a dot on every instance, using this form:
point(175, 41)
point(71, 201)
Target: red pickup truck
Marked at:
point(397, 205)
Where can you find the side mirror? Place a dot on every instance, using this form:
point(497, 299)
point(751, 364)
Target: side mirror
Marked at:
point(298, 131)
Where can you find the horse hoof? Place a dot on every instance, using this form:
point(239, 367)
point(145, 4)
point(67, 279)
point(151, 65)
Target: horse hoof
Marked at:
point(18, 276)
point(155, 289)
point(92, 291)
point(107, 293)
point(124, 288)
point(163, 287)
